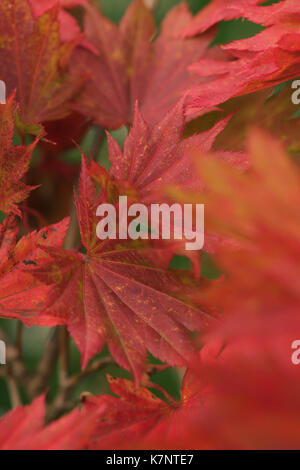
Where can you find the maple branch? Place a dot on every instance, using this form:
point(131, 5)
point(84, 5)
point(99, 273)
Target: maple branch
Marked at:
point(58, 344)
point(96, 366)
point(13, 392)
point(64, 356)
point(46, 365)
point(150, 3)
point(63, 401)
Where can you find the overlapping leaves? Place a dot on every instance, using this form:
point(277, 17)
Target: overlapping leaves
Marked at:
point(127, 65)
point(259, 62)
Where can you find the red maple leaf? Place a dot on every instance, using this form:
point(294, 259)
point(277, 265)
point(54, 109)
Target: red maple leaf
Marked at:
point(14, 162)
point(138, 419)
point(268, 58)
point(23, 429)
point(21, 296)
point(155, 157)
point(114, 294)
point(126, 66)
point(249, 408)
point(218, 10)
point(230, 399)
point(34, 62)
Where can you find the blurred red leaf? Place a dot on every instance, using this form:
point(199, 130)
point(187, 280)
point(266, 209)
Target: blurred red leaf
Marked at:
point(127, 67)
point(138, 419)
point(23, 429)
point(261, 218)
point(274, 112)
point(231, 397)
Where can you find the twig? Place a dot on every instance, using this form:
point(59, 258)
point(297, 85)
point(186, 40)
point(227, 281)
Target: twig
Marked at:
point(64, 355)
point(46, 365)
point(16, 371)
point(63, 400)
point(14, 368)
point(94, 367)
point(150, 3)
point(13, 392)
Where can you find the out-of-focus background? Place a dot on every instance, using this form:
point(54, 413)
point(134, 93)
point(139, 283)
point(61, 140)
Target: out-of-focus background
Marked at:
point(34, 338)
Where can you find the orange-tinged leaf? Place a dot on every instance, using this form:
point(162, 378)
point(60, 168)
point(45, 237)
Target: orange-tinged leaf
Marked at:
point(14, 162)
point(260, 216)
point(34, 62)
point(273, 112)
point(249, 407)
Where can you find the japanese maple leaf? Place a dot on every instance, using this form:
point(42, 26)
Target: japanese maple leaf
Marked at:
point(231, 398)
point(155, 157)
point(14, 162)
point(249, 408)
point(21, 296)
point(274, 112)
point(282, 22)
point(69, 28)
point(128, 66)
point(218, 10)
point(23, 429)
point(138, 419)
point(114, 294)
point(268, 58)
point(280, 19)
point(34, 62)
point(260, 215)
